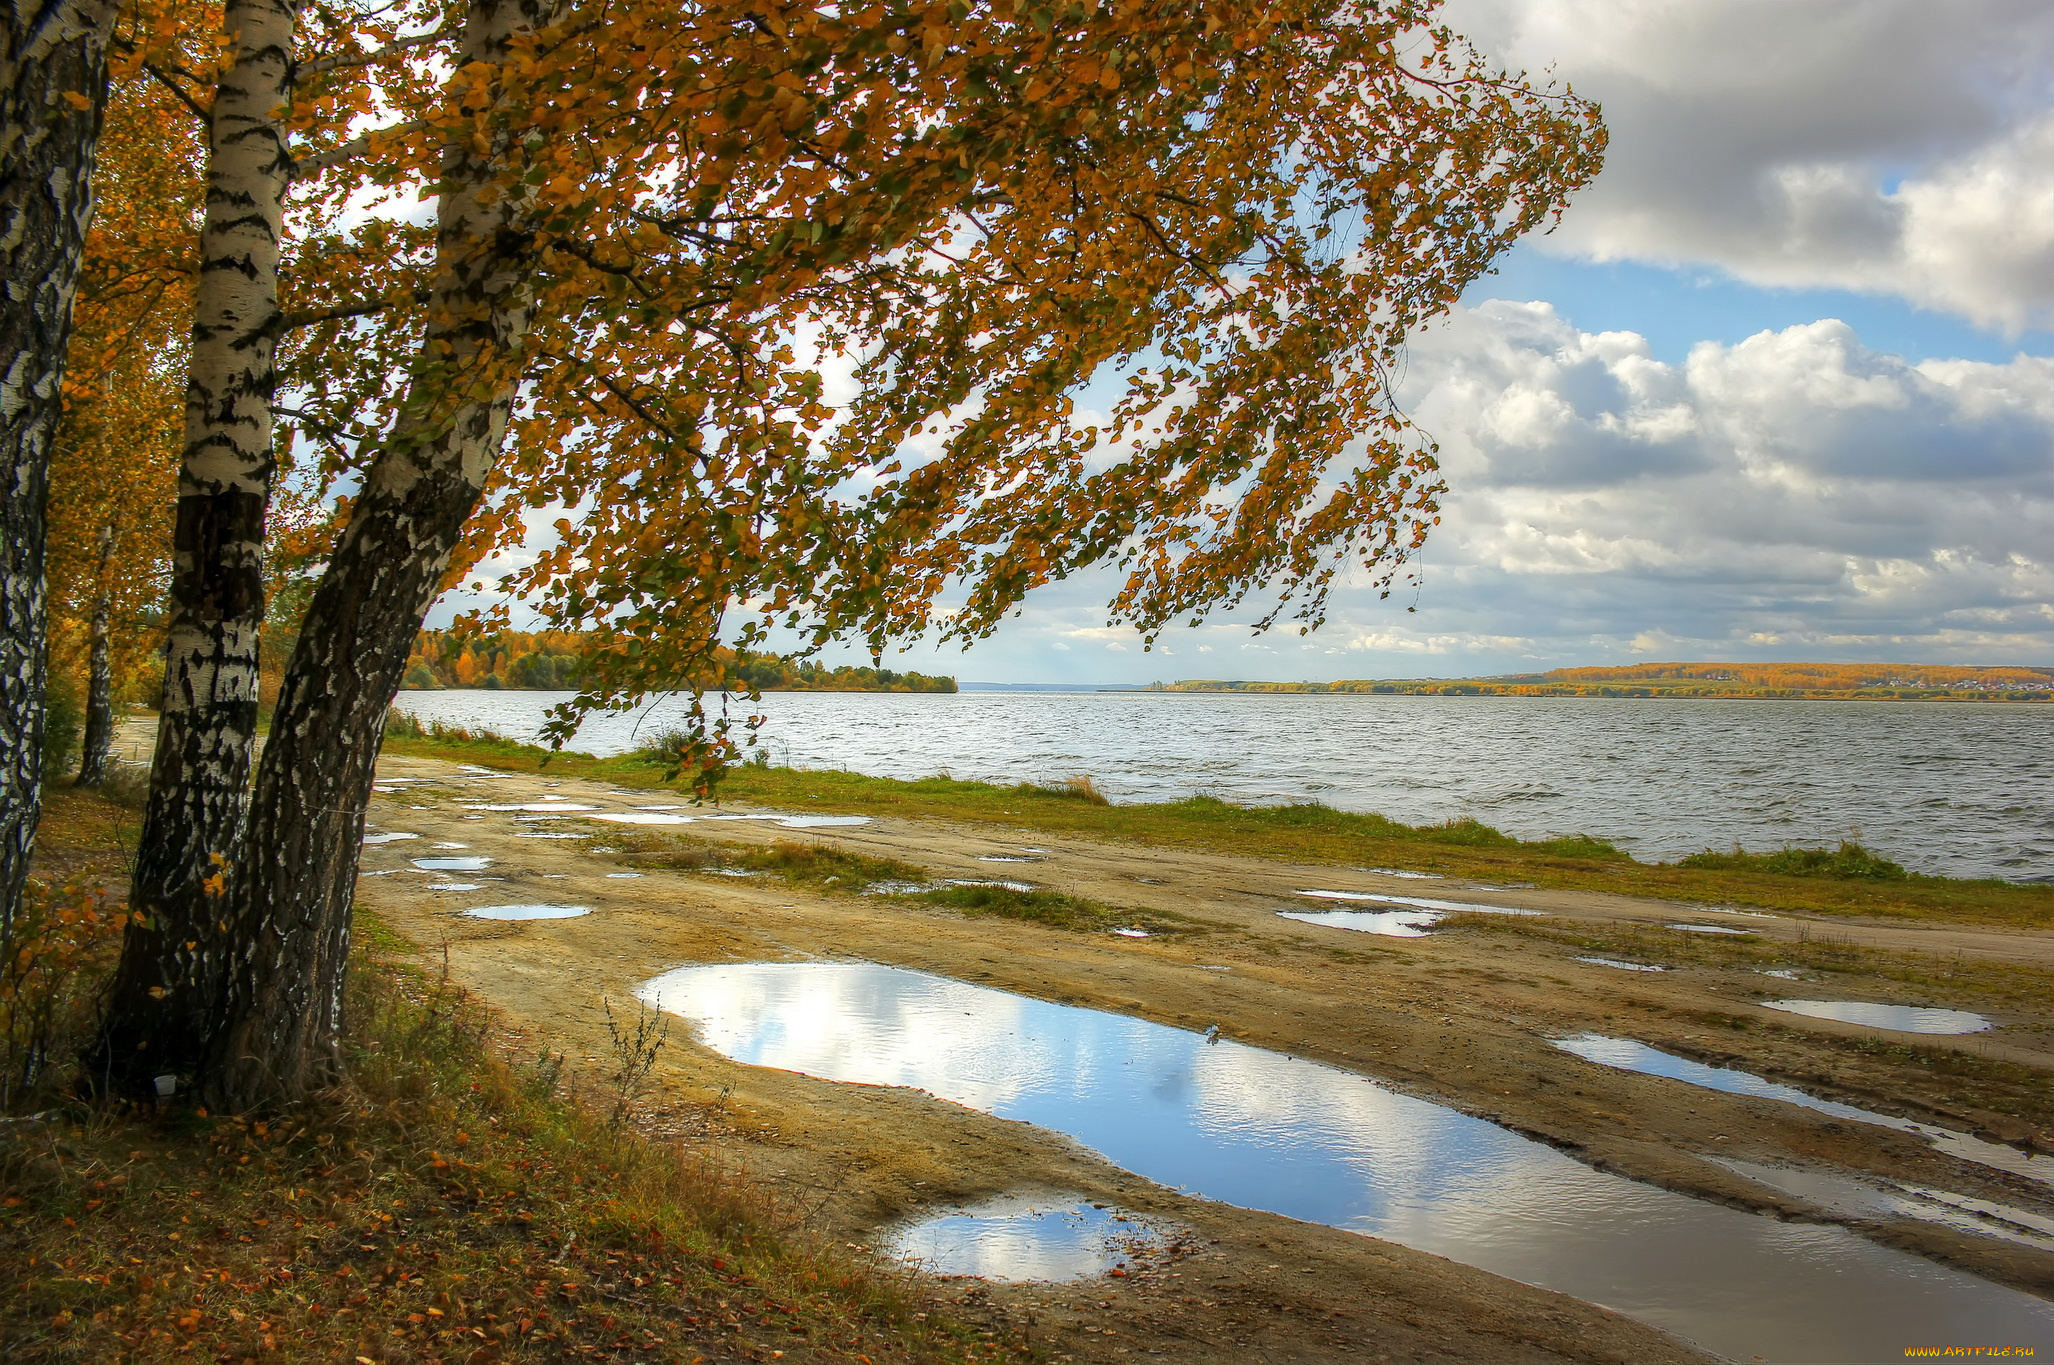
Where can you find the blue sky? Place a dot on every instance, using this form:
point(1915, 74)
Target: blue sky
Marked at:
point(1779, 386)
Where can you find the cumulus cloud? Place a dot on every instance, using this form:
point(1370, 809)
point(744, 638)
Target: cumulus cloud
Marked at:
point(1890, 146)
point(1795, 488)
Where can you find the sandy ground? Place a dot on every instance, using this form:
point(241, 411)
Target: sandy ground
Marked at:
point(1461, 1017)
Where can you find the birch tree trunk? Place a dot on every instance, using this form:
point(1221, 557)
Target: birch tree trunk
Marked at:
point(292, 898)
point(168, 981)
point(53, 79)
point(97, 743)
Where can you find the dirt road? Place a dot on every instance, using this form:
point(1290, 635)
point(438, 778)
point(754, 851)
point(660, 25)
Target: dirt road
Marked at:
point(1464, 1017)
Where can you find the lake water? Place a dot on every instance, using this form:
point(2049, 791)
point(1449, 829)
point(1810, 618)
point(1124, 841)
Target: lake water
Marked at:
point(1964, 790)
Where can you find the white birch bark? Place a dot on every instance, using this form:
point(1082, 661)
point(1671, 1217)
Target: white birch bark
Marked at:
point(292, 901)
point(53, 60)
point(167, 985)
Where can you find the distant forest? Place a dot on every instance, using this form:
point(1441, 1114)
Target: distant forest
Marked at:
point(554, 660)
point(1894, 682)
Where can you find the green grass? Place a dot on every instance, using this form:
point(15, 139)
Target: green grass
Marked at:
point(819, 866)
point(1317, 833)
point(823, 867)
point(1850, 860)
point(1056, 910)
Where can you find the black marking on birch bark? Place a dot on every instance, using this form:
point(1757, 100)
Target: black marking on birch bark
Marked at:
point(163, 1001)
point(48, 50)
point(291, 902)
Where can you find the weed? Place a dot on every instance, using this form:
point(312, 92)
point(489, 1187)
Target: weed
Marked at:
point(1077, 787)
point(635, 1048)
point(1850, 860)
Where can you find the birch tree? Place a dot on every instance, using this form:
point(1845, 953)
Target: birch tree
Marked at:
point(53, 72)
point(655, 225)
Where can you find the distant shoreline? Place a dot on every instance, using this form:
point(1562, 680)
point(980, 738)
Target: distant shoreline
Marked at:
point(1601, 692)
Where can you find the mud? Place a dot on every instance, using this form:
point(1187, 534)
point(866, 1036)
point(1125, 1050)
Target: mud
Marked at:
point(1460, 1016)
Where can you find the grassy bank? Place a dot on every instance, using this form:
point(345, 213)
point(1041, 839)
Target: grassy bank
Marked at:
point(461, 1199)
point(1845, 881)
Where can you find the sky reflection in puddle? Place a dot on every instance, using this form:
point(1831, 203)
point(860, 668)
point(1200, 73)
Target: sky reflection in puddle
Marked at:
point(1706, 929)
point(387, 838)
point(1020, 1237)
point(1418, 902)
point(641, 817)
point(1851, 1198)
point(1253, 1128)
point(1389, 923)
point(470, 863)
point(1628, 1055)
point(528, 911)
point(1622, 966)
point(1902, 1018)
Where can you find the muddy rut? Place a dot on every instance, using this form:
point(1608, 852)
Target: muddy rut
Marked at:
point(1465, 1017)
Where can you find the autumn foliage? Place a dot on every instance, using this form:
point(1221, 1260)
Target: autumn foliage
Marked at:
point(555, 660)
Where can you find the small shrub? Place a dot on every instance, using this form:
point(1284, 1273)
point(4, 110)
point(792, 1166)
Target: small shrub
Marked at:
point(1077, 787)
point(50, 960)
point(1850, 861)
point(63, 720)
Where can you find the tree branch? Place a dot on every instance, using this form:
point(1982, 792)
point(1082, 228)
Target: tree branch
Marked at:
point(330, 157)
point(342, 61)
point(178, 93)
point(340, 312)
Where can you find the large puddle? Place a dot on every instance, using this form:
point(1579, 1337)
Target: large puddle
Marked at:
point(1234, 1123)
point(1627, 1055)
point(1902, 1018)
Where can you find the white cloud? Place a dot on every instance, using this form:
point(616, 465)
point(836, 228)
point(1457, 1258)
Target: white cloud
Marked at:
point(1890, 146)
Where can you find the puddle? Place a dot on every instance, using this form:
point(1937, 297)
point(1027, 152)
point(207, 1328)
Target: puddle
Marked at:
point(1235, 1123)
point(1852, 1198)
point(1131, 933)
point(1390, 923)
point(1019, 1237)
point(454, 886)
point(1707, 929)
point(1419, 902)
point(641, 817)
point(387, 838)
point(621, 876)
point(452, 845)
point(673, 806)
point(528, 911)
point(473, 863)
point(550, 834)
point(1004, 858)
point(1043, 851)
point(1628, 1055)
point(1901, 1018)
point(1622, 966)
point(1408, 876)
point(961, 881)
point(552, 806)
point(1784, 973)
point(819, 821)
